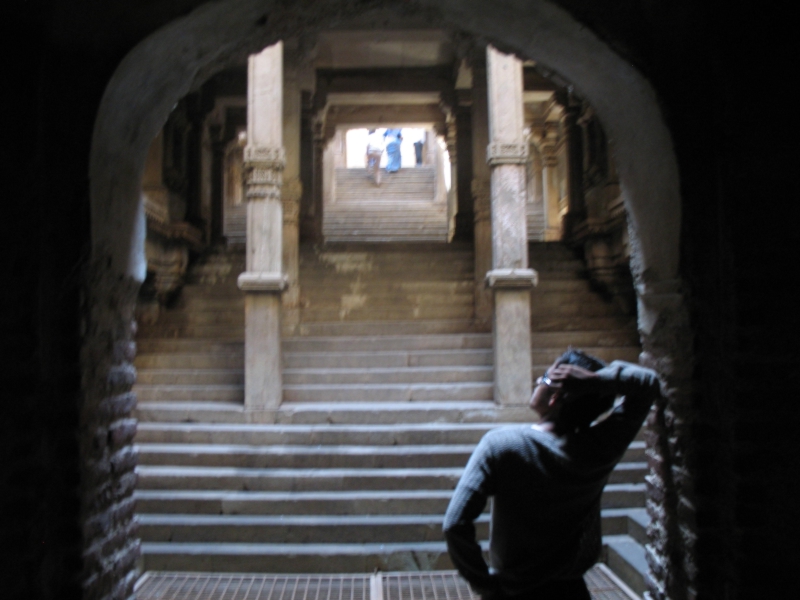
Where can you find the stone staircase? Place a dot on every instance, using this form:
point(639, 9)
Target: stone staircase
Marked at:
point(402, 208)
point(535, 219)
point(388, 387)
point(234, 224)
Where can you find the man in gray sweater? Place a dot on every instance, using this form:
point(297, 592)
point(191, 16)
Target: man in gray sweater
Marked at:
point(546, 480)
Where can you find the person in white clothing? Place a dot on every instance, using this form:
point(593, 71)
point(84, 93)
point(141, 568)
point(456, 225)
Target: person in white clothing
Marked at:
point(374, 153)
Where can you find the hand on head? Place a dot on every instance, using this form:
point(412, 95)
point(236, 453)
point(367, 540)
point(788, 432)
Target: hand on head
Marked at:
point(570, 378)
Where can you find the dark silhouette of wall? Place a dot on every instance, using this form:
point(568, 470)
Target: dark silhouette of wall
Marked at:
point(723, 79)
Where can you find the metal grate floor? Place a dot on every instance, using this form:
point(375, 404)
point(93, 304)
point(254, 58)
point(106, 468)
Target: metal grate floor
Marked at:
point(431, 585)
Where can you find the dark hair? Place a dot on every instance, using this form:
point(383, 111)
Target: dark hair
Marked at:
point(578, 412)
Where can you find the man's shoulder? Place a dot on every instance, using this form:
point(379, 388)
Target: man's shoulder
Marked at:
point(506, 436)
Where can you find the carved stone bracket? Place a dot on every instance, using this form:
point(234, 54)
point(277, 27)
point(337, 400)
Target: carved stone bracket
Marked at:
point(268, 157)
point(291, 192)
point(507, 153)
point(481, 197)
point(511, 278)
point(263, 172)
point(263, 282)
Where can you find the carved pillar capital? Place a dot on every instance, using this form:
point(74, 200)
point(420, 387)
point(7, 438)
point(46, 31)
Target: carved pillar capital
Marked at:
point(291, 191)
point(263, 172)
point(507, 153)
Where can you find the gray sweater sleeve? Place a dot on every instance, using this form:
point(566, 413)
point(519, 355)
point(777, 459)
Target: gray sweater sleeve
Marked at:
point(467, 503)
point(639, 387)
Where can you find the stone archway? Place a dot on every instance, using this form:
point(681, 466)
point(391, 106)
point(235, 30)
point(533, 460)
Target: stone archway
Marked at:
point(171, 62)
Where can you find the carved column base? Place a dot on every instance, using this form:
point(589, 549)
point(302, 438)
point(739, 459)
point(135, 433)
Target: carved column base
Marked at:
point(262, 340)
point(512, 333)
point(512, 345)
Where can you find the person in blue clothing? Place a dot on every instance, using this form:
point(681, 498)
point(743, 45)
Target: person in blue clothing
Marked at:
point(393, 139)
point(546, 481)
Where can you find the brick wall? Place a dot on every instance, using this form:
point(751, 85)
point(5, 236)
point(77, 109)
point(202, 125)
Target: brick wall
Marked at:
point(108, 458)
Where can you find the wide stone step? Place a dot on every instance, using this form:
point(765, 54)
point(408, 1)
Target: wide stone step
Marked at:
point(366, 343)
point(337, 376)
point(190, 412)
point(579, 339)
point(400, 312)
point(404, 236)
point(361, 329)
point(573, 290)
point(233, 359)
point(319, 529)
point(314, 413)
point(191, 377)
point(229, 316)
point(390, 392)
point(396, 360)
point(562, 306)
point(190, 393)
point(616, 497)
point(391, 210)
point(421, 434)
point(377, 252)
point(358, 307)
point(340, 352)
point(319, 360)
point(209, 345)
point(305, 457)
point(330, 479)
point(381, 299)
point(295, 558)
point(385, 221)
point(390, 182)
point(418, 200)
point(541, 323)
point(231, 478)
point(189, 330)
point(319, 376)
point(405, 172)
point(305, 529)
point(389, 286)
point(457, 279)
point(330, 285)
point(331, 457)
point(561, 285)
point(417, 192)
point(626, 558)
point(314, 435)
point(398, 224)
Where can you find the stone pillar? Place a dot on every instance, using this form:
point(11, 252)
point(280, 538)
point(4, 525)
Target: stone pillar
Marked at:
point(574, 133)
point(452, 193)
point(315, 211)
point(510, 278)
point(463, 162)
point(550, 188)
point(480, 192)
point(291, 192)
point(263, 280)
